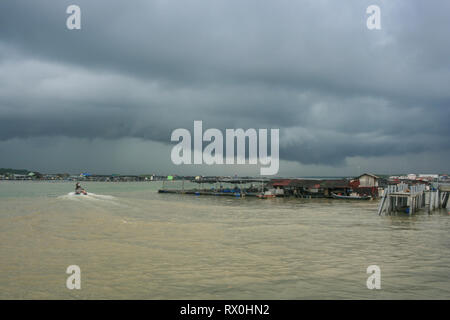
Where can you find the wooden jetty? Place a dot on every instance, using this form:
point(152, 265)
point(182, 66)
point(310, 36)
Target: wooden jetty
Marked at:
point(237, 191)
point(410, 199)
point(200, 192)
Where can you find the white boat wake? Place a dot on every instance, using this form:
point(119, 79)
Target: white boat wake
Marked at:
point(89, 196)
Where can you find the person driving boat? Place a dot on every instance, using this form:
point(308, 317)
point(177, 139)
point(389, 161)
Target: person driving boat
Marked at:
point(79, 189)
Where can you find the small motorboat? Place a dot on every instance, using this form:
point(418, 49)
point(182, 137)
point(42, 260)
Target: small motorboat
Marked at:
point(79, 190)
point(351, 197)
point(266, 195)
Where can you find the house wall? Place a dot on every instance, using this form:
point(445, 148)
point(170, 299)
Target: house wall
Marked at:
point(367, 181)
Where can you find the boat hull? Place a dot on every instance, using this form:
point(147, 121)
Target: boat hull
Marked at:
point(336, 196)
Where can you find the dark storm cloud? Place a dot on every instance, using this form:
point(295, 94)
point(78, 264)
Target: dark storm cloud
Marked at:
point(311, 68)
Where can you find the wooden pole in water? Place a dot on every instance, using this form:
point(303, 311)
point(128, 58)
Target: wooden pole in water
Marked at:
point(390, 204)
point(430, 205)
point(440, 199)
point(444, 203)
point(431, 200)
point(383, 200)
point(435, 200)
point(388, 199)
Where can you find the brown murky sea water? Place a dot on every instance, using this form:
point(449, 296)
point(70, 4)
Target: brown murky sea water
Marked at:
point(133, 243)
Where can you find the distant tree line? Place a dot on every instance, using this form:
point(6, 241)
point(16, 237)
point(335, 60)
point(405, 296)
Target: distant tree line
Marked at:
point(5, 171)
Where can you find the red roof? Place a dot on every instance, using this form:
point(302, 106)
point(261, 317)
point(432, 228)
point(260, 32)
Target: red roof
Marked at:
point(281, 182)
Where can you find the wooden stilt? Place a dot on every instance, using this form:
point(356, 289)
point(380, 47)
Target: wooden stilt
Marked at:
point(444, 203)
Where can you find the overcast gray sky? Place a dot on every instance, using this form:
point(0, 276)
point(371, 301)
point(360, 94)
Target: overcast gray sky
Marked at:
point(106, 98)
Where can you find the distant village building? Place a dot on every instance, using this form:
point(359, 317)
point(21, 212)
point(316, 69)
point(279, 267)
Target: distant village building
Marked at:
point(309, 188)
point(21, 177)
point(368, 180)
point(415, 177)
point(429, 177)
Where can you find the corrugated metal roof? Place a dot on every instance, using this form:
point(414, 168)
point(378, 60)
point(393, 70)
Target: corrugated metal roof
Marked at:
point(369, 174)
point(310, 183)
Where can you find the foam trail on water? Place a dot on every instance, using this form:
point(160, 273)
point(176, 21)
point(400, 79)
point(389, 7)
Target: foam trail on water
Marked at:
point(89, 196)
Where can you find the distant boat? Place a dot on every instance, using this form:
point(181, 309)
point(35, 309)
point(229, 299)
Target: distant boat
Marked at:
point(266, 195)
point(336, 196)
